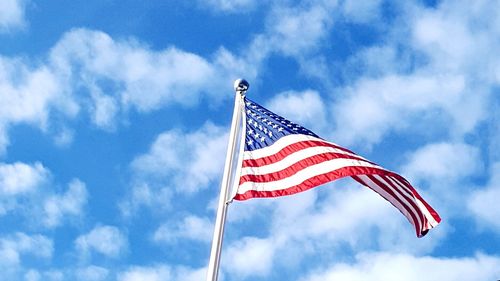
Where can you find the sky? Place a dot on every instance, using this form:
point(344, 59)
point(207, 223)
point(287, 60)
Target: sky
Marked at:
point(115, 116)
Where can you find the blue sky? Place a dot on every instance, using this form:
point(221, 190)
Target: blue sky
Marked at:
point(114, 121)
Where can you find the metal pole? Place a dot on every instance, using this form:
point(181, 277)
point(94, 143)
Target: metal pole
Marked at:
point(240, 86)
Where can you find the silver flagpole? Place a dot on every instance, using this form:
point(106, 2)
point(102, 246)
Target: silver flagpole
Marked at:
point(240, 87)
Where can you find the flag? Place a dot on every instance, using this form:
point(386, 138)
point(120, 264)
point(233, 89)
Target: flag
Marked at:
point(283, 158)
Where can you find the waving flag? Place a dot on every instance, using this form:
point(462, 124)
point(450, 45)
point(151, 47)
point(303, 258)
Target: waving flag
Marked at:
point(283, 158)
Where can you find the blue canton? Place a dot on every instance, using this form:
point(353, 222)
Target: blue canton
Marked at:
point(263, 127)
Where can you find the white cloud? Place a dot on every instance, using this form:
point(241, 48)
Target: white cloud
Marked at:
point(345, 216)
point(361, 11)
point(200, 152)
point(57, 207)
point(12, 14)
point(53, 275)
point(249, 256)
point(436, 66)
point(32, 275)
point(454, 34)
point(159, 273)
point(483, 203)
point(447, 170)
point(143, 195)
point(28, 95)
point(232, 6)
point(92, 273)
point(142, 78)
point(191, 227)
point(104, 108)
point(312, 111)
point(162, 273)
point(107, 77)
point(304, 225)
point(386, 266)
point(14, 246)
point(444, 161)
point(295, 31)
point(374, 107)
point(19, 181)
point(64, 137)
point(106, 240)
point(19, 178)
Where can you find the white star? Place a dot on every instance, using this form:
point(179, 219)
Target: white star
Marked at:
point(250, 142)
point(280, 129)
point(262, 139)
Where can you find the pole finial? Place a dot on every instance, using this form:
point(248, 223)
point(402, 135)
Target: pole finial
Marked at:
point(241, 85)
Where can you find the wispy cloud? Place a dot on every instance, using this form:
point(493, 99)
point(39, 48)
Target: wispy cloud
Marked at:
point(387, 266)
point(56, 208)
point(482, 203)
point(199, 151)
point(92, 273)
point(191, 227)
point(17, 245)
point(28, 95)
point(106, 240)
point(160, 273)
point(18, 178)
point(312, 113)
point(229, 6)
point(12, 15)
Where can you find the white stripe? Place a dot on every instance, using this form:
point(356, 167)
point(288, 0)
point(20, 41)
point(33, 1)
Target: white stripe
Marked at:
point(386, 195)
point(302, 175)
point(401, 185)
point(282, 143)
point(402, 199)
point(430, 219)
point(292, 159)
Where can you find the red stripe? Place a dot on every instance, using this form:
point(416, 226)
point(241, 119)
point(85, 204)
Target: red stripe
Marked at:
point(312, 182)
point(289, 149)
point(360, 181)
point(414, 219)
point(296, 167)
point(408, 197)
point(433, 213)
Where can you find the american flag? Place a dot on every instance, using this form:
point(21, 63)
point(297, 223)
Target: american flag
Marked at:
point(283, 158)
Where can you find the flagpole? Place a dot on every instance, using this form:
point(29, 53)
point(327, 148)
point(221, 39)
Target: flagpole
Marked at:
point(240, 87)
